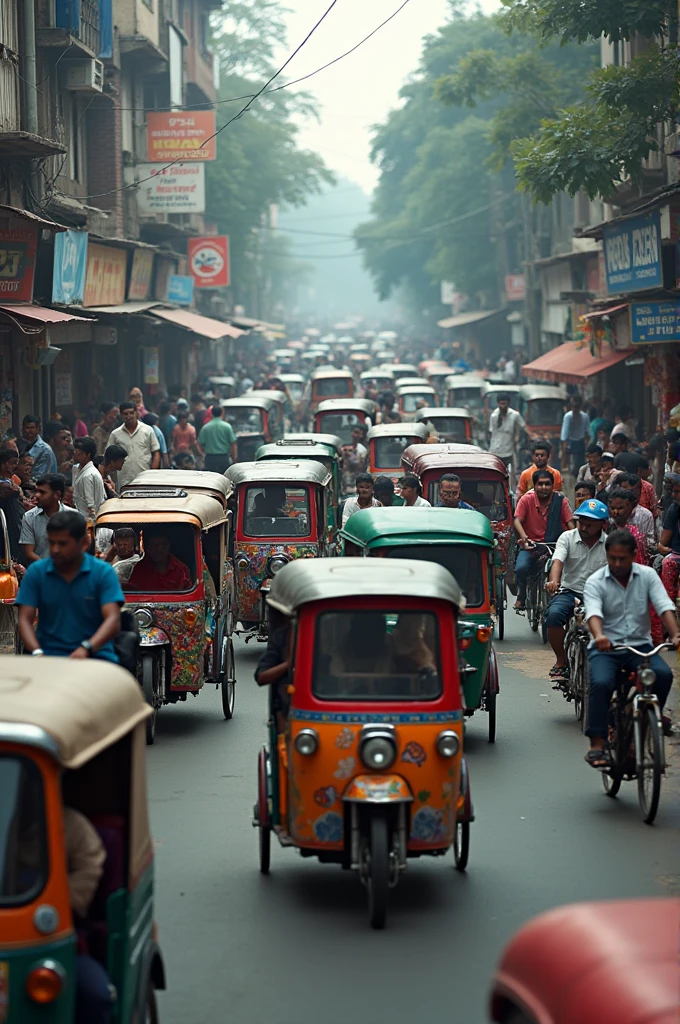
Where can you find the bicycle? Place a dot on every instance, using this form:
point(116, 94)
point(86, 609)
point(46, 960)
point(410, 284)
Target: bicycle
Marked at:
point(537, 597)
point(635, 744)
point(576, 641)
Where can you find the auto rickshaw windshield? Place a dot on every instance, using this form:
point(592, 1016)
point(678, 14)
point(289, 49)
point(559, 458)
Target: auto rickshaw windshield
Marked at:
point(542, 411)
point(339, 423)
point(333, 387)
point(468, 396)
point(377, 656)
point(449, 428)
point(466, 564)
point(277, 511)
point(168, 562)
point(23, 844)
point(410, 401)
point(244, 419)
point(486, 496)
point(388, 451)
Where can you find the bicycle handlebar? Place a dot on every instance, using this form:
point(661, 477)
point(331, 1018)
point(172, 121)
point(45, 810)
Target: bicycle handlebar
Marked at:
point(642, 654)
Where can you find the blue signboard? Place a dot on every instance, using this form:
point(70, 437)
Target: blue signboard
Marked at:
point(632, 254)
point(70, 261)
point(180, 289)
point(654, 322)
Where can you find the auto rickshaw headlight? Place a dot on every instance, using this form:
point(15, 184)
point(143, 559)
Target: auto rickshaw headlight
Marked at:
point(143, 617)
point(448, 743)
point(242, 562)
point(307, 742)
point(276, 563)
point(45, 982)
point(484, 633)
point(378, 750)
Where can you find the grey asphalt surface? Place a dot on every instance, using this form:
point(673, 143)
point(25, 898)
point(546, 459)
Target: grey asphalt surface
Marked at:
point(296, 948)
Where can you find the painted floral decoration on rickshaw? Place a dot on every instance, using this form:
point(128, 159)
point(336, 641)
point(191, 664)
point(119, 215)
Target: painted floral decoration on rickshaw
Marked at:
point(250, 580)
point(329, 828)
point(344, 739)
point(326, 796)
point(414, 754)
point(188, 644)
point(428, 825)
point(345, 768)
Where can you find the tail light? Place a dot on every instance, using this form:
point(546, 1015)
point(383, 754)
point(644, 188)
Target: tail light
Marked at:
point(45, 982)
point(484, 633)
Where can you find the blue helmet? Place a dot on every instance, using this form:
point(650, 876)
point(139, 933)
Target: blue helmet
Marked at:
point(593, 509)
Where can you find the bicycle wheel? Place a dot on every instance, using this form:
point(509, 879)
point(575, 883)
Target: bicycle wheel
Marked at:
point(532, 605)
point(618, 748)
point(650, 771)
point(576, 682)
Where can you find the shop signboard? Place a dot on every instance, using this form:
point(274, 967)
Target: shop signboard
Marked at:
point(177, 134)
point(515, 287)
point(654, 322)
point(209, 261)
point(151, 365)
point(141, 274)
point(105, 275)
point(18, 247)
point(180, 290)
point(632, 253)
point(70, 260)
point(63, 389)
point(176, 189)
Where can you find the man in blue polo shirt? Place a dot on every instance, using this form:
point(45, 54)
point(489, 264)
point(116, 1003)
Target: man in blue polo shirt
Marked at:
point(77, 597)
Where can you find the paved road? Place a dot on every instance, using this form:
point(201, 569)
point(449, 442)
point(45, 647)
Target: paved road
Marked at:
point(295, 948)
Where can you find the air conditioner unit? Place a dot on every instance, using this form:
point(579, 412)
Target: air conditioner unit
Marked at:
point(85, 76)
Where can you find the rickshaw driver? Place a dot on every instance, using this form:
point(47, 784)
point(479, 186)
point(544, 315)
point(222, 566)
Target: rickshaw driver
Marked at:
point(270, 503)
point(540, 517)
point(578, 554)
point(159, 569)
point(450, 490)
point(617, 599)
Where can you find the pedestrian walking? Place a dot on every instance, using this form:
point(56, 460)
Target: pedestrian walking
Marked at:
point(88, 486)
point(76, 597)
point(505, 428)
point(102, 431)
point(218, 441)
point(44, 459)
point(575, 435)
point(49, 498)
point(140, 443)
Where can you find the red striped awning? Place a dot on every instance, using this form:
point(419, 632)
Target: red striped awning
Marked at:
point(572, 363)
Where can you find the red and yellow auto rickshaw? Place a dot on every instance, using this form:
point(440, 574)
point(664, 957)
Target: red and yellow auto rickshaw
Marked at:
point(281, 511)
point(613, 961)
point(256, 419)
point(485, 486)
point(329, 383)
point(543, 407)
point(447, 425)
point(340, 415)
point(387, 442)
point(366, 769)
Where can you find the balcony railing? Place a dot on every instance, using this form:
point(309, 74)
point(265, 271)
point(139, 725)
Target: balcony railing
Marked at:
point(86, 21)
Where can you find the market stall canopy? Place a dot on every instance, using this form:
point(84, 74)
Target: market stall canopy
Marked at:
point(41, 314)
point(126, 308)
point(203, 325)
point(572, 363)
point(462, 319)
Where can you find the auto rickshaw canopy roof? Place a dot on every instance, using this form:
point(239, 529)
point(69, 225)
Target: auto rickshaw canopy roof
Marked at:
point(376, 371)
point(414, 382)
point(440, 412)
point(193, 480)
point(200, 510)
point(415, 389)
point(530, 392)
point(253, 400)
point(364, 405)
point(323, 579)
point(284, 472)
point(331, 374)
point(440, 371)
point(449, 458)
point(293, 450)
point(229, 382)
point(291, 378)
point(491, 387)
point(401, 368)
point(390, 527)
point(71, 709)
point(330, 440)
point(278, 397)
point(413, 430)
point(464, 380)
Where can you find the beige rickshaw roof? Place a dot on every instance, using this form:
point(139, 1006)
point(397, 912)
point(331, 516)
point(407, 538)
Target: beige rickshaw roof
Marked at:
point(195, 480)
point(196, 509)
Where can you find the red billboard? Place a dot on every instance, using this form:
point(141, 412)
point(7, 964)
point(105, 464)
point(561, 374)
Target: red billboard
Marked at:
point(209, 261)
point(180, 135)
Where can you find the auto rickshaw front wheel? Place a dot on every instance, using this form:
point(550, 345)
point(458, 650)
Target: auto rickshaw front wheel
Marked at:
point(228, 679)
point(150, 670)
point(151, 1010)
point(378, 869)
point(461, 844)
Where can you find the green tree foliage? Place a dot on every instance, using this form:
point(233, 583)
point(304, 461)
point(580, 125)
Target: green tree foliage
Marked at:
point(259, 163)
point(442, 194)
point(591, 146)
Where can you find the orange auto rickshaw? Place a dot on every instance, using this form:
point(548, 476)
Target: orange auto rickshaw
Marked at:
point(329, 383)
point(543, 407)
point(365, 764)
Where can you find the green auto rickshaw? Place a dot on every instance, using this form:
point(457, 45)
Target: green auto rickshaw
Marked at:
point(462, 541)
point(293, 449)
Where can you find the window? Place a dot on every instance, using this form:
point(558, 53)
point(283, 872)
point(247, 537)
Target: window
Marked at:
point(339, 423)
point(23, 846)
point(275, 510)
point(388, 451)
point(409, 403)
point(486, 496)
point(545, 411)
point(244, 419)
point(466, 564)
point(334, 387)
point(168, 563)
point(467, 397)
point(450, 428)
point(377, 655)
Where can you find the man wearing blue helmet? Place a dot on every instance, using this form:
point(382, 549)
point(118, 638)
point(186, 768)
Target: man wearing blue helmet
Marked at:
point(578, 553)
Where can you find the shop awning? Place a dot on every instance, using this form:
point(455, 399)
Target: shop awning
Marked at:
point(41, 222)
point(126, 308)
point(41, 314)
point(461, 319)
point(571, 363)
point(594, 313)
point(203, 325)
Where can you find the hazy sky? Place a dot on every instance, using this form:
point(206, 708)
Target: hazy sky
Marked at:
point(360, 90)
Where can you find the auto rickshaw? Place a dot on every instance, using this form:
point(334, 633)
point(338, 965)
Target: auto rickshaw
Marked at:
point(340, 415)
point(185, 623)
point(387, 441)
point(330, 441)
point(462, 542)
point(401, 370)
point(368, 769)
point(464, 390)
point(255, 419)
point(280, 409)
point(376, 378)
point(282, 511)
point(72, 741)
point(543, 407)
point(484, 479)
point(331, 383)
point(437, 377)
point(490, 393)
point(224, 387)
point(295, 385)
point(193, 481)
point(446, 424)
point(296, 450)
point(411, 398)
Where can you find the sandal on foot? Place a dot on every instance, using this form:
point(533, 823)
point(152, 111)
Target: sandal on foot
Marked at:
point(559, 672)
point(598, 759)
point(519, 607)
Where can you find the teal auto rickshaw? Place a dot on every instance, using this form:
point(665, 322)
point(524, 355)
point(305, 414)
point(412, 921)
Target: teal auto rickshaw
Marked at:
point(296, 450)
